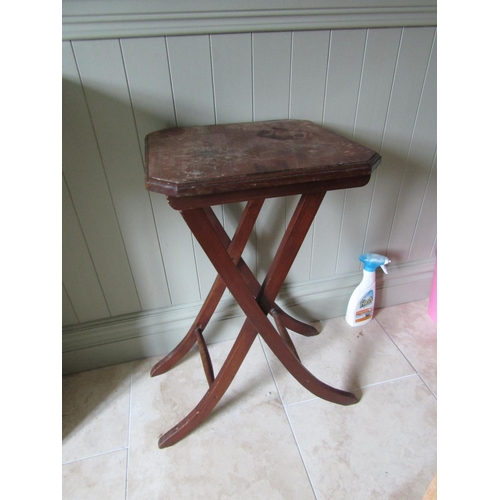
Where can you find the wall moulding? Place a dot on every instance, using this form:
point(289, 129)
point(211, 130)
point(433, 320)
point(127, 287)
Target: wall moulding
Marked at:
point(84, 19)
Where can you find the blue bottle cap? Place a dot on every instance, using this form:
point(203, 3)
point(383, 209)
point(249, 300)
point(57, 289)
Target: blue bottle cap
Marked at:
point(373, 260)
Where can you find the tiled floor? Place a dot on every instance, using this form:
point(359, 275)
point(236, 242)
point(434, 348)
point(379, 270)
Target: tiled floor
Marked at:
point(269, 437)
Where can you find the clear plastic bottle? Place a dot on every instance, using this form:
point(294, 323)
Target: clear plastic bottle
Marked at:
point(362, 302)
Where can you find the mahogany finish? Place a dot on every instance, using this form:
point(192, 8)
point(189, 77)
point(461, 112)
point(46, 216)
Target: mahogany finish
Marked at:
point(256, 157)
point(198, 167)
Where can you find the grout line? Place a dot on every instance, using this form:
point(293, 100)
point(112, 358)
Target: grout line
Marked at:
point(289, 421)
point(388, 381)
point(409, 362)
point(271, 370)
point(354, 389)
point(300, 453)
point(300, 402)
point(95, 456)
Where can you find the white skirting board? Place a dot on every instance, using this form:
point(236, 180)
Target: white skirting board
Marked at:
point(136, 336)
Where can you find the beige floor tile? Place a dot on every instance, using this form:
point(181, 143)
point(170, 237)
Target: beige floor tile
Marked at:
point(96, 406)
point(342, 356)
point(382, 448)
point(414, 332)
point(245, 449)
point(97, 478)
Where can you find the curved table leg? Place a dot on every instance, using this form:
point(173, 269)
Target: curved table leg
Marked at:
point(216, 390)
point(304, 376)
point(171, 359)
point(294, 324)
point(204, 315)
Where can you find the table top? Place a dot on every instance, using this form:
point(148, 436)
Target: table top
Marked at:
point(217, 159)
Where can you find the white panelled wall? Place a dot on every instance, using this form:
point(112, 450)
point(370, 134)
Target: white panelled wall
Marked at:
point(133, 276)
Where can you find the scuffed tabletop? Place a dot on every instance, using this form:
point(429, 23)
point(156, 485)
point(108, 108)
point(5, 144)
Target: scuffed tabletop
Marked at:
point(204, 160)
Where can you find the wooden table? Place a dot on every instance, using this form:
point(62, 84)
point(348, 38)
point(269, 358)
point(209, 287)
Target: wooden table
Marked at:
point(199, 167)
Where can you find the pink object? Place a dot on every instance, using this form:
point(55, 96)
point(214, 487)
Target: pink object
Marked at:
point(433, 297)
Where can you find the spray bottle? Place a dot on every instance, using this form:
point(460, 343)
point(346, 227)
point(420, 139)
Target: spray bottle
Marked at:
point(362, 302)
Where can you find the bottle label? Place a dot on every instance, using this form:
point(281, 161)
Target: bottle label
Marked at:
point(364, 311)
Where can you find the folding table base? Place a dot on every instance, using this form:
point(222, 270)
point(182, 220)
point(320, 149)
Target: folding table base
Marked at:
point(200, 167)
point(256, 301)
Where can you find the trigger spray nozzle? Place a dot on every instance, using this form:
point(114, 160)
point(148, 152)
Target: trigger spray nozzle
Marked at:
point(373, 260)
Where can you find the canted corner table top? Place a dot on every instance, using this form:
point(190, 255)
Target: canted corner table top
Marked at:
point(217, 159)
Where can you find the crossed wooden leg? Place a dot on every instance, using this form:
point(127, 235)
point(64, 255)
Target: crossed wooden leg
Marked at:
point(235, 249)
point(256, 302)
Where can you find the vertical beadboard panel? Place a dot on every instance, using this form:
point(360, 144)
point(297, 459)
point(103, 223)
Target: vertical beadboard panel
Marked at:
point(344, 72)
point(307, 91)
point(148, 77)
point(379, 63)
point(232, 78)
point(232, 75)
point(423, 244)
point(347, 48)
point(416, 176)
point(271, 91)
point(177, 244)
point(78, 272)
point(308, 74)
point(68, 313)
point(191, 71)
point(86, 181)
point(413, 59)
point(271, 75)
point(103, 76)
point(327, 235)
point(192, 85)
